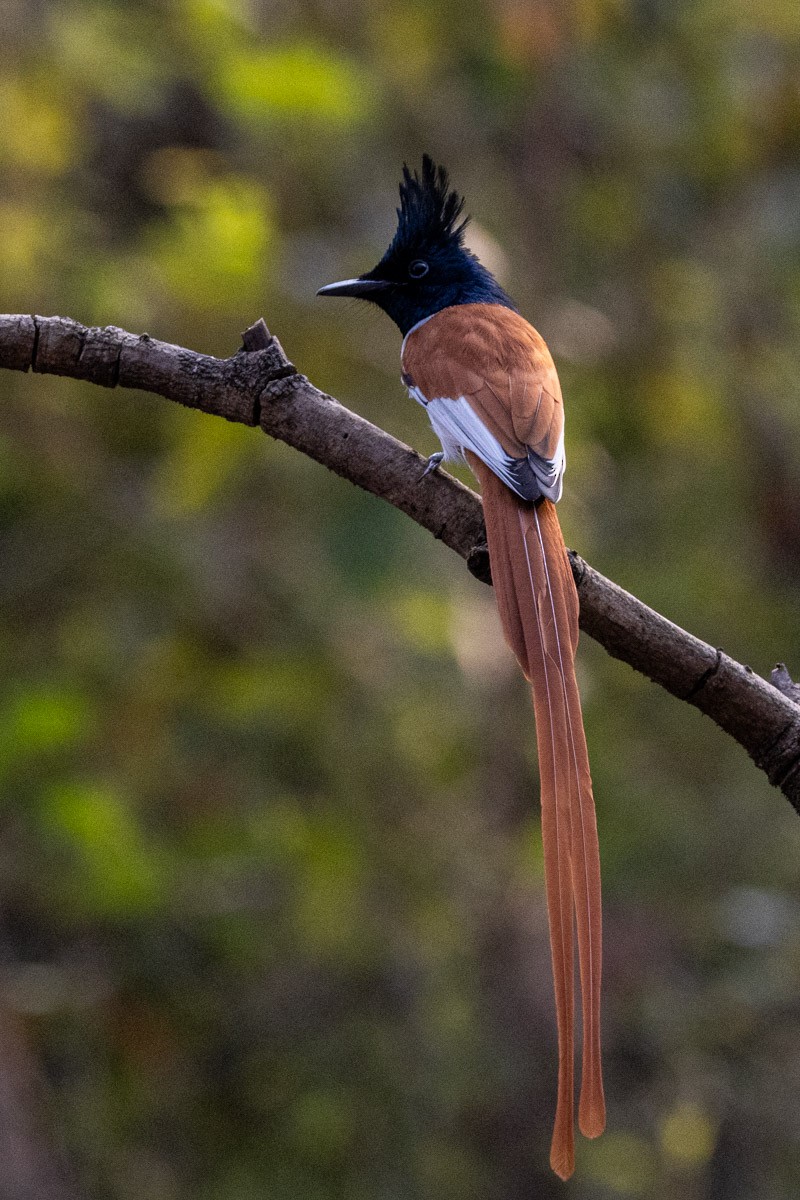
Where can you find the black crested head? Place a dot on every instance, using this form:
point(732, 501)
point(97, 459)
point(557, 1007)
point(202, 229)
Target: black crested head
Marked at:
point(427, 266)
point(427, 219)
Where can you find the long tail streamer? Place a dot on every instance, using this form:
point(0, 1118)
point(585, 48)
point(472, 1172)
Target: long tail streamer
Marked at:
point(538, 606)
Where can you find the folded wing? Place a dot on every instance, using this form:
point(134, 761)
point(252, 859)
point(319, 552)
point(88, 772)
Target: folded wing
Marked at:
point(490, 386)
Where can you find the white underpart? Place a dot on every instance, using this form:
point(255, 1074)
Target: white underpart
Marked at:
point(411, 330)
point(459, 428)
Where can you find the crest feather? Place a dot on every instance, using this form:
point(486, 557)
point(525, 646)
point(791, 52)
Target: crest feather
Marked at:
point(429, 208)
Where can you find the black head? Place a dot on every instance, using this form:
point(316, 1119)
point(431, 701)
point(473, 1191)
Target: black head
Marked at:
point(427, 267)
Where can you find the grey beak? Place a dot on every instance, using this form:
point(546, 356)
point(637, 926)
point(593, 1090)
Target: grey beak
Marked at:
point(354, 287)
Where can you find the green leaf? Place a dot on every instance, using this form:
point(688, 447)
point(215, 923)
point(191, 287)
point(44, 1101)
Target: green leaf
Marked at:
point(300, 81)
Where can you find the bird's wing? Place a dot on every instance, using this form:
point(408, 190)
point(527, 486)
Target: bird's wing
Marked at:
point(490, 386)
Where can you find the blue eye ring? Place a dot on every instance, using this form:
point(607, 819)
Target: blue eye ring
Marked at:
point(418, 269)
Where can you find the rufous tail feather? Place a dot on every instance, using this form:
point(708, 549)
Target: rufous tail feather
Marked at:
point(538, 606)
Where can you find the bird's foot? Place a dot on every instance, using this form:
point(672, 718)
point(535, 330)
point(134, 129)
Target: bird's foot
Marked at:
point(433, 463)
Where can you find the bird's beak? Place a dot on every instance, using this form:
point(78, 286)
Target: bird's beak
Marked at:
point(362, 288)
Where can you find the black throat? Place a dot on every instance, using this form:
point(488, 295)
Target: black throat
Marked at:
point(409, 304)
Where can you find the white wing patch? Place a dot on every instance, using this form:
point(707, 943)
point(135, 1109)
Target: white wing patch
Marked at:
point(459, 428)
point(549, 472)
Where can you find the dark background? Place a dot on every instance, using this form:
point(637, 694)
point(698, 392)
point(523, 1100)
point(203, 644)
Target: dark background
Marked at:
point(271, 900)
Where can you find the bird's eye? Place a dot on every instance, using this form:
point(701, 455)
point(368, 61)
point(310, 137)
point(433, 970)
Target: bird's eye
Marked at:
point(418, 268)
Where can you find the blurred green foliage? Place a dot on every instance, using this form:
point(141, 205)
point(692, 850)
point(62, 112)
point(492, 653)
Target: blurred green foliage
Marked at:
point(270, 864)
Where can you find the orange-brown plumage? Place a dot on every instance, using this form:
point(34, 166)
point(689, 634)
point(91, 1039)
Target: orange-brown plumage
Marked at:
point(500, 363)
point(492, 395)
point(490, 357)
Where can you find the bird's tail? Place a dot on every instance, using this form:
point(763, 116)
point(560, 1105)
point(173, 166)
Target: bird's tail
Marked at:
point(538, 606)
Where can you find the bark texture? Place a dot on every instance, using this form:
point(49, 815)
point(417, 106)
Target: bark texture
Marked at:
point(258, 386)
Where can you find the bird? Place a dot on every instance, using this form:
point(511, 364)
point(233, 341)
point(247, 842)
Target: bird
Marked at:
point(488, 384)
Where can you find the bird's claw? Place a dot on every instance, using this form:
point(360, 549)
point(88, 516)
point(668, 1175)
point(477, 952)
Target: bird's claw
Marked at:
point(433, 463)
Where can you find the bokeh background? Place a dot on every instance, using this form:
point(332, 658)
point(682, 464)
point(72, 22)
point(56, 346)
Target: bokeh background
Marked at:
point(271, 898)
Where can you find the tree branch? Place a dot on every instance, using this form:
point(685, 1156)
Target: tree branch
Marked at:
point(259, 386)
